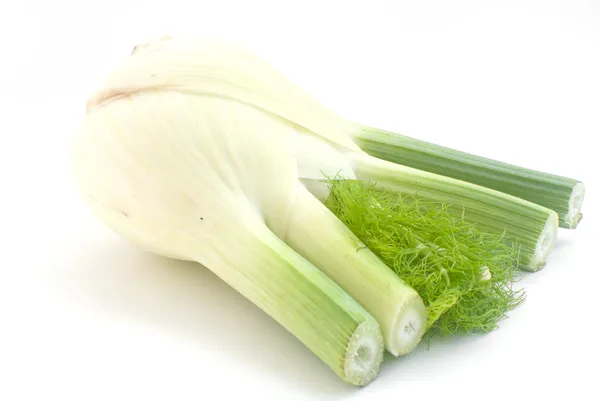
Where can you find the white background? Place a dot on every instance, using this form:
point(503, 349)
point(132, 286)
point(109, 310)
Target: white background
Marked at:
point(86, 316)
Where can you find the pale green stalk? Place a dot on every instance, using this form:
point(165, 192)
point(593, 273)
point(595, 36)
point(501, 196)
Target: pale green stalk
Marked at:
point(303, 300)
point(323, 239)
point(532, 227)
point(561, 194)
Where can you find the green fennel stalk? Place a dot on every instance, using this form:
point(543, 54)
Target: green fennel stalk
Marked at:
point(527, 225)
point(562, 194)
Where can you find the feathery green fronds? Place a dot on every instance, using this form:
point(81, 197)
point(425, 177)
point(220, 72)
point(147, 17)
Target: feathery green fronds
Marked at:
point(464, 276)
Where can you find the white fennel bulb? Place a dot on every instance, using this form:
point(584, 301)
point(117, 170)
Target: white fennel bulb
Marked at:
point(193, 173)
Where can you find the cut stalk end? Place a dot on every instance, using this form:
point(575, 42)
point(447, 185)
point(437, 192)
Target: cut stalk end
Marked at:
point(573, 216)
point(364, 354)
point(410, 327)
point(544, 243)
